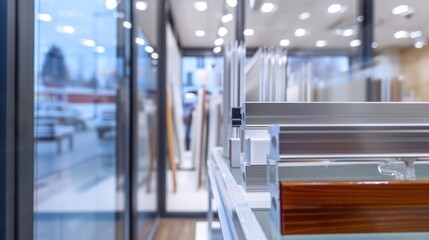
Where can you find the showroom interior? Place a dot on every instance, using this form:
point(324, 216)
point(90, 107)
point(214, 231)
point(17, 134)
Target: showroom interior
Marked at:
point(214, 119)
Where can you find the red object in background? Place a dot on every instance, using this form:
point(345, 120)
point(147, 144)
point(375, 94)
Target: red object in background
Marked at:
point(87, 98)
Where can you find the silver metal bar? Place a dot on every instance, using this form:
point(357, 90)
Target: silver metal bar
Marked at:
point(349, 141)
point(255, 114)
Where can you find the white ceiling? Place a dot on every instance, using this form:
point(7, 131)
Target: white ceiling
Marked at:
point(270, 28)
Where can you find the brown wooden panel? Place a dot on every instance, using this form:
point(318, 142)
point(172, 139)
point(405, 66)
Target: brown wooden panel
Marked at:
point(354, 207)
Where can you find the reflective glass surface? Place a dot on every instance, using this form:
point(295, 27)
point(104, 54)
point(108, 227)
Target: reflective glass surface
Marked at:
point(78, 125)
point(146, 108)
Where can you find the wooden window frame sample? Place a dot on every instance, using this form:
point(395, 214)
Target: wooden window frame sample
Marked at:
point(354, 207)
point(399, 133)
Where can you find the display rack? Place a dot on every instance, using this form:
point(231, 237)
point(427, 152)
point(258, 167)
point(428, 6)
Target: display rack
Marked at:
point(247, 215)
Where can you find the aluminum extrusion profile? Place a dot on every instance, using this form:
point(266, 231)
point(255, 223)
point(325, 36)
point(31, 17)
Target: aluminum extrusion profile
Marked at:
point(293, 142)
point(257, 114)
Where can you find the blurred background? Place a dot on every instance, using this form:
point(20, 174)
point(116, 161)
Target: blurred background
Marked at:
point(104, 69)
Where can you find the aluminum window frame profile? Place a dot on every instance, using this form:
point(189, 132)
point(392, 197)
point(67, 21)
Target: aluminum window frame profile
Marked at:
point(16, 119)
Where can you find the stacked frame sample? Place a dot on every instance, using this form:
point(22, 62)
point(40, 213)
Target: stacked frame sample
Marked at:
point(353, 168)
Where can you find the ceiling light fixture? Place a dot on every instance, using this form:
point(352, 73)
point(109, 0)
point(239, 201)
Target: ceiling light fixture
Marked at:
point(111, 4)
point(99, 49)
point(222, 31)
point(44, 17)
point(355, 43)
point(268, 7)
point(284, 42)
point(401, 34)
point(231, 3)
point(154, 55)
point(348, 32)
point(217, 49)
point(401, 10)
point(140, 41)
point(227, 18)
point(249, 32)
point(300, 32)
point(127, 25)
point(200, 33)
point(68, 29)
point(416, 34)
point(321, 43)
point(218, 41)
point(335, 8)
point(141, 5)
point(148, 49)
point(420, 44)
point(304, 16)
point(88, 42)
point(374, 45)
point(200, 6)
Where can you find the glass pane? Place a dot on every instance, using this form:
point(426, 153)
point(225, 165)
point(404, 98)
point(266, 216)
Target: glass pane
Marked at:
point(191, 82)
point(401, 36)
point(147, 112)
point(79, 182)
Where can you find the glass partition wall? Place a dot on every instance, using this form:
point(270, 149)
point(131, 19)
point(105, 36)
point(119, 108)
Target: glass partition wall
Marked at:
point(82, 116)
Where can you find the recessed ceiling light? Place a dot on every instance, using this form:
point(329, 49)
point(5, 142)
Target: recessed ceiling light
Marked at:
point(321, 43)
point(200, 6)
point(249, 32)
point(141, 5)
point(268, 7)
point(218, 42)
point(374, 45)
point(284, 42)
point(154, 55)
point(416, 34)
point(68, 29)
point(226, 18)
point(217, 49)
point(355, 43)
point(419, 44)
point(348, 32)
point(304, 16)
point(44, 17)
point(300, 32)
point(231, 3)
point(88, 42)
point(148, 49)
point(335, 8)
point(140, 41)
point(401, 34)
point(127, 25)
point(99, 49)
point(111, 4)
point(401, 9)
point(200, 33)
point(222, 31)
